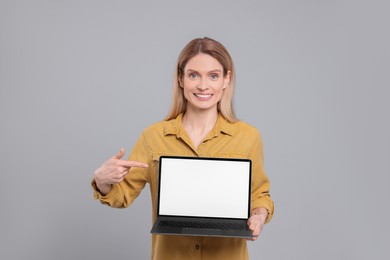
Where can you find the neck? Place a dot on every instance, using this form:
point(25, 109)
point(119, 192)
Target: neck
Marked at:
point(199, 121)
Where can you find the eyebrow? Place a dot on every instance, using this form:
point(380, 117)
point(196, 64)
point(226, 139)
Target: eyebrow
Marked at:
point(211, 71)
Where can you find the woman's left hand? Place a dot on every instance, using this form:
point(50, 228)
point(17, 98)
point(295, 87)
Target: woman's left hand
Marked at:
point(256, 222)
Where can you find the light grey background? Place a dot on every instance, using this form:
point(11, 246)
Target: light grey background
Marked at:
point(80, 79)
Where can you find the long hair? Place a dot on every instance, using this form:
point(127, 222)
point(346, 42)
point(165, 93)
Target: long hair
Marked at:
point(217, 51)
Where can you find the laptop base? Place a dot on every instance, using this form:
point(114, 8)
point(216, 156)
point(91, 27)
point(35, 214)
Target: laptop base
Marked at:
point(157, 229)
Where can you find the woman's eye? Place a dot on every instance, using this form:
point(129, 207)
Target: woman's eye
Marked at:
point(193, 76)
point(214, 76)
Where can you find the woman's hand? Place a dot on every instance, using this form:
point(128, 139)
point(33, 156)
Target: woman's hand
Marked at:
point(113, 171)
point(256, 222)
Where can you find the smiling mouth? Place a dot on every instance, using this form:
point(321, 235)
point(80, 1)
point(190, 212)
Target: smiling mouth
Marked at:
point(203, 96)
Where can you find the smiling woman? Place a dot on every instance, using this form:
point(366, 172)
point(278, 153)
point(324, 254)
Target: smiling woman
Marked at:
point(220, 60)
point(203, 82)
point(201, 123)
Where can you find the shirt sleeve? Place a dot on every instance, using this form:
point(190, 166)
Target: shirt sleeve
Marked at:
point(260, 182)
point(124, 193)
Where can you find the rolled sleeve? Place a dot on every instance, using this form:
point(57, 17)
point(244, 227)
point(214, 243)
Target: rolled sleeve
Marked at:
point(260, 183)
point(107, 199)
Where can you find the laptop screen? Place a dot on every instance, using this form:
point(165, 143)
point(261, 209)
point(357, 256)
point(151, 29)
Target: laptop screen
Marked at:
point(204, 187)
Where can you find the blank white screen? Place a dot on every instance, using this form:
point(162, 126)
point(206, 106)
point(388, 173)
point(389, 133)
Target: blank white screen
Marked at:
point(204, 188)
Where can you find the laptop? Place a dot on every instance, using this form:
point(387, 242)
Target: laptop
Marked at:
point(203, 196)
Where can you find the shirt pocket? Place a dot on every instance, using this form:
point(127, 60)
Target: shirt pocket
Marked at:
point(233, 155)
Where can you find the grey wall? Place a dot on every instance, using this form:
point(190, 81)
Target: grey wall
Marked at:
point(81, 79)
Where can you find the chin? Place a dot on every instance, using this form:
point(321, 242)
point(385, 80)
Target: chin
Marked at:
point(205, 107)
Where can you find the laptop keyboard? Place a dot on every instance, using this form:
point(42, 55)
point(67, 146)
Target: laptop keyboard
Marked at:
point(195, 224)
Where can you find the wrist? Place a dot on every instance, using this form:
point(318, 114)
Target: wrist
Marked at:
point(101, 187)
point(261, 212)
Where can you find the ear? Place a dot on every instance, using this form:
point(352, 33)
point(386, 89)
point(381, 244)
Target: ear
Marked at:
point(180, 79)
point(180, 83)
point(226, 80)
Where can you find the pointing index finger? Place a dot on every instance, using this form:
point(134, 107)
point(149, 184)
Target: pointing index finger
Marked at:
point(130, 164)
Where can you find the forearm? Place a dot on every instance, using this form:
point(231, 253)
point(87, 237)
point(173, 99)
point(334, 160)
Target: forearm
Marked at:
point(260, 183)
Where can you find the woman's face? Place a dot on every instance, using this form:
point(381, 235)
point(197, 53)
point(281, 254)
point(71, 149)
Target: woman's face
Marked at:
point(203, 82)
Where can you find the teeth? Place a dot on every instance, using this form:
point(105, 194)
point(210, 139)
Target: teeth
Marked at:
point(203, 95)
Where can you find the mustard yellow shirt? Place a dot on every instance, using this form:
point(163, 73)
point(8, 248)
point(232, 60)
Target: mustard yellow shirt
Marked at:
point(233, 140)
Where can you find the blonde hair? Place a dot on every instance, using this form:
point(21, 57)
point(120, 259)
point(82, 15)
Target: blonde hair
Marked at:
point(217, 51)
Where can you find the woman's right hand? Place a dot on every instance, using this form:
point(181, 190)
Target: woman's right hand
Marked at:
point(114, 170)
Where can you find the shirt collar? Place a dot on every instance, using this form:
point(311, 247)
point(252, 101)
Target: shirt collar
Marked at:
point(174, 126)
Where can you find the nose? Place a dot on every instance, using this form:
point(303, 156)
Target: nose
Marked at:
point(202, 85)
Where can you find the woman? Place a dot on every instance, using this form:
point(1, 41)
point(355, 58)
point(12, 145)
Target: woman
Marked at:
point(201, 122)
